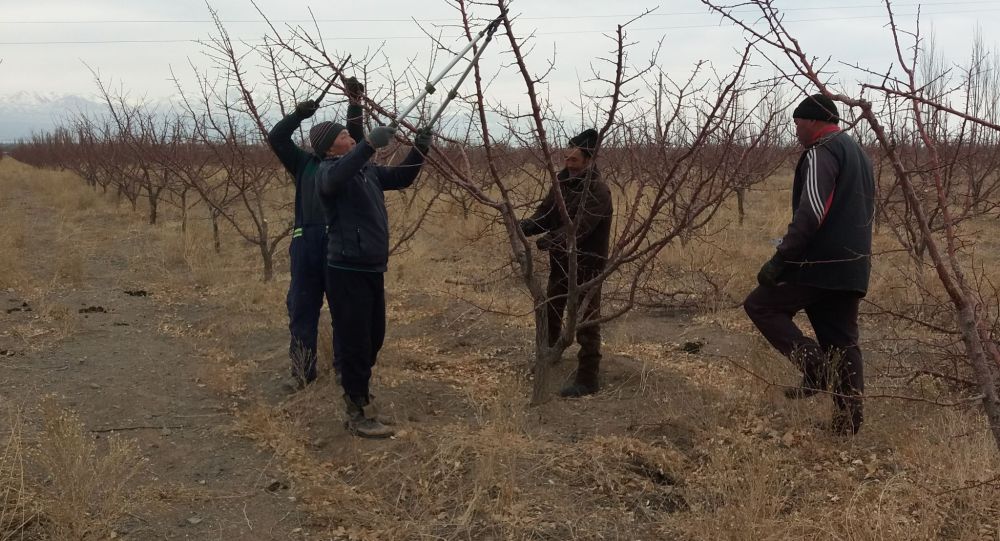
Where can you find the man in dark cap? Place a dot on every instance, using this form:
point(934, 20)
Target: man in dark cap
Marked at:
point(307, 251)
point(822, 264)
point(588, 201)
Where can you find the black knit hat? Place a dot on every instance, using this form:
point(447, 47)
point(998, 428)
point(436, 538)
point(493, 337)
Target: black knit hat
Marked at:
point(817, 107)
point(322, 135)
point(586, 142)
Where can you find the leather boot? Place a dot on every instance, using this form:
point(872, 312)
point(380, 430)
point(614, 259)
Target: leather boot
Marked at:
point(585, 382)
point(361, 424)
point(814, 365)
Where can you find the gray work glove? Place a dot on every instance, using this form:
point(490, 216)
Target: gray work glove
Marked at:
point(381, 136)
point(306, 109)
point(423, 140)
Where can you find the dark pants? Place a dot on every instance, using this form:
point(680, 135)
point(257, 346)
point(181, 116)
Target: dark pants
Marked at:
point(357, 303)
point(305, 299)
point(834, 363)
point(588, 337)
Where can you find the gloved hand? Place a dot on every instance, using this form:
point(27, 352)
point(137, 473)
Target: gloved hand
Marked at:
point(381, 136)
point(545, 243)
point(423, 140)
point(354, 90)
point(306, 109)
point(771, 271)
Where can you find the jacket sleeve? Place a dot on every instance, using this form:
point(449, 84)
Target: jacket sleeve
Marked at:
point(355, 122)
point(545, 218)
point(280, 139)
point(402, 175)
point(819, 170)
point(595, 209)
point(333, 175)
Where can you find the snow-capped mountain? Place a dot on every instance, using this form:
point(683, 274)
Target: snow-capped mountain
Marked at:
point(23, 113)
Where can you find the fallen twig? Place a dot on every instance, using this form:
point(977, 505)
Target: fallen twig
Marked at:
point(141, 427)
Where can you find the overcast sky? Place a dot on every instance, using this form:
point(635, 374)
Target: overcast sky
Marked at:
point(45, 43)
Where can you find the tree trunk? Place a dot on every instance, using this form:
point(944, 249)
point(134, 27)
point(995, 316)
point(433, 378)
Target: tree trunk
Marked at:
point(215, 231)
point(985, 376)
point(184, 212)
point(545, 358)
point(268, 258)
point(740, 195)
point(153, 205)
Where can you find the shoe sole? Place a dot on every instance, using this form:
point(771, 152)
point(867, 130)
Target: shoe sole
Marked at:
point(359, 434)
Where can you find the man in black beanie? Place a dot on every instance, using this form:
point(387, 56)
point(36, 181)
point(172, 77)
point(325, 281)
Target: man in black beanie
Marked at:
point(351, 191)
point(822, 264)
point(588, 201)
point(307, 251)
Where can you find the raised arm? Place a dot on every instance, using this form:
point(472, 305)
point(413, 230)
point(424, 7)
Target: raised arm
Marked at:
point(332, 175)
point(355, 114)
point(401, 176)
point(280, 138)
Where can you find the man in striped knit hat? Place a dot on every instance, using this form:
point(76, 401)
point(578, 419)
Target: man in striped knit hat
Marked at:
point(307, 252)
point(822, 264)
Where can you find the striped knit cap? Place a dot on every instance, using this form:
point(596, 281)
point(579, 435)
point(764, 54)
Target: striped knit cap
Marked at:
point(322, 135)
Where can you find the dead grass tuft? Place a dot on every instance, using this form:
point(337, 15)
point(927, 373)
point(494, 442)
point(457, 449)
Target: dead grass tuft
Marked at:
point(87, 487)
point(17, 509)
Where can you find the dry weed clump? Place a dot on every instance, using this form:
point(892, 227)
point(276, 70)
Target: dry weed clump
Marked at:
point(12, 229)
point(86, 489)
point(12, 243)
point(17, 511)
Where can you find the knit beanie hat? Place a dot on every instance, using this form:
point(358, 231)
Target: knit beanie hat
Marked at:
point(322, 135)
point(586, 142)
point(817, 107)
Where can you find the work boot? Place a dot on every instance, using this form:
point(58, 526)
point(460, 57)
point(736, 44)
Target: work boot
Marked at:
point(363, 425)
point(848, 416)
point(813, 364)
point(584, 383)
point(293, 384)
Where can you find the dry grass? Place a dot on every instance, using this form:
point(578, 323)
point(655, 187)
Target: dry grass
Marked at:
point(678, 446)
point(86, 490)
point(17, 509)
point(63, 485)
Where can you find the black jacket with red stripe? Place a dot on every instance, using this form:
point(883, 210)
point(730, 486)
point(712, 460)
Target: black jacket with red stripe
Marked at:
point(829, 242)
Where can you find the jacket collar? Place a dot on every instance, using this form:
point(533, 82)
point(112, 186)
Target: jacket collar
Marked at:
point(591, 173)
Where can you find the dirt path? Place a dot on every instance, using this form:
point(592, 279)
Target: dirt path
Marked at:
point(106, 349)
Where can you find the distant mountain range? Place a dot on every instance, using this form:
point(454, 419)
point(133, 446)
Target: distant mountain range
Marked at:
point(24, 113)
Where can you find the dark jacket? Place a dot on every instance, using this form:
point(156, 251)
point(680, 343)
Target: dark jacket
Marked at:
point(588, 200)
point(829, 241)
point(357, 222)
point(302, 165)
